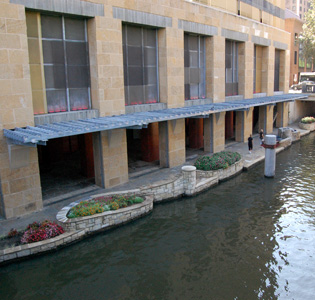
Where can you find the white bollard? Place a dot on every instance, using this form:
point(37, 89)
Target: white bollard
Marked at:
point(270, 155)
point(189, 182)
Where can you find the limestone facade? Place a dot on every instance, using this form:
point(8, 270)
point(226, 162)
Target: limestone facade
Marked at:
point(23, 77)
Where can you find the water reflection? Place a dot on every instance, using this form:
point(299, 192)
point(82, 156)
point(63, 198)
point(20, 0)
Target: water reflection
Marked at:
point(248, 238)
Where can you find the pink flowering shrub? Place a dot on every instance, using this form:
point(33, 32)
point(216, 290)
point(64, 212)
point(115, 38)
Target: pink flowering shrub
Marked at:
point(37, 231)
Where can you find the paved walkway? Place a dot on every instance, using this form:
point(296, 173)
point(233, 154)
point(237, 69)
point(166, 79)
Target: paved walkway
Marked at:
point(136, 180)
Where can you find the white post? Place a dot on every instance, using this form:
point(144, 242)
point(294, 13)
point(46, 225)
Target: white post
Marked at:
point(189, 174)
point(270, 155)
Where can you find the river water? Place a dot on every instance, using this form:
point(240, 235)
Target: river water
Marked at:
point(248, 238)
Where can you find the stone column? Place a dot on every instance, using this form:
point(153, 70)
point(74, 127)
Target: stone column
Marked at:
point(268, 69)
point(189, 179)
point(214, 133)
point(282, 114)
point(215, 68)
point(266, 118)
point(284, 71)
point(270, 155)
point(246, 69)
point(172, 143)
point(20, 188)
point(171, 66)
point(243, 125)
point(110, 157)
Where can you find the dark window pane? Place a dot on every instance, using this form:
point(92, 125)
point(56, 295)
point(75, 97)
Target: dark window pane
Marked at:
point(136, 94)
point(75, 29)
point(135, 76)
point(186, 58)
point(55, 77)
point(134, 36)
point(79, 99)
point(187, 76)
point(193, 43)
point(150, 94)
point(194, 59)
point(53, 52)
point(194, 75)
point(150, 56)
point(78, 77)
point(76, 53)
point(149, 37)
point(187, 92)
point(194, 91)
point(56, 101)
point(150, 76)
point(134, 56)
point(51, 27)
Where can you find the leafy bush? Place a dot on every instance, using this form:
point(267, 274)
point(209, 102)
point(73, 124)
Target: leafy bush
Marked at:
point(308, 120)
point(101, 204)
point(36, 232)
point(220, 160)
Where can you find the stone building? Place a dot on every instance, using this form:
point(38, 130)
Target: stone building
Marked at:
point(103, 82)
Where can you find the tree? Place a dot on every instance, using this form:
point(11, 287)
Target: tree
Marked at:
point(307, 37)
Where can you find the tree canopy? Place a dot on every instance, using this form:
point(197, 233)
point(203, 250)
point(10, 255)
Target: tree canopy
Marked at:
point(308, 35)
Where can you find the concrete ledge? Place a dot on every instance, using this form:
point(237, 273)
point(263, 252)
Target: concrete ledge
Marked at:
point(198, 102)
point(234, 35)
point(281, 46)
point(139, 17)
point(73, 7)
point(144, 107)
point(197, 28)
point(261, 41)
point(66, 116)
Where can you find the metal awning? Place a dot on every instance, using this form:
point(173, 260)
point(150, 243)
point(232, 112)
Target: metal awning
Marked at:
point(40, 134)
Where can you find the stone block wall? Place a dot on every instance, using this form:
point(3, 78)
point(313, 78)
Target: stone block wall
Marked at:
point(19, 173)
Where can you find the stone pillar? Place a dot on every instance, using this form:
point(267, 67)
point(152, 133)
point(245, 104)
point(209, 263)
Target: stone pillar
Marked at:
point(110, 157)
point(282, 114)
point(270, 155)
point(284, 71)
point(266, 118)
point(172, 143)
point(171, 67)
point(106, 64)
point(246, 69)
point(189, 179)
point(268, 69)
point(215, 68)
point(243, 125)
point(214, 133)
point(20, 188)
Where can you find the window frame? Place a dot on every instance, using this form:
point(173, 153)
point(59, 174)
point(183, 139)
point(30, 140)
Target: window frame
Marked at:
point(66, 63)
point(125, 45)
point(234, 68)
point(201, 53)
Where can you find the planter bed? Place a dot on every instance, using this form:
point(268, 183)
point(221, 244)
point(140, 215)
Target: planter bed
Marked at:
point(31, 249)
point(222, 174)
point(104, 220)
point(305, 126)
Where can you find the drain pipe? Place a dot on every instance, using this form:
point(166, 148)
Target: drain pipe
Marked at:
point(270, 144)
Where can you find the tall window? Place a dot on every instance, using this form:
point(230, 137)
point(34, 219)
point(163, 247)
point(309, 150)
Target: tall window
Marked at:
point(66, 65)
point(140, 65)
point(195, 71)
point(295, 57)
point(277, 70)
point(231, 68)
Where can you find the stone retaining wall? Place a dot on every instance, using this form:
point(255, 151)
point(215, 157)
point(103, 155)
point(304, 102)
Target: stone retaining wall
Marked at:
point(222, 173)
point(105, 220)
point(189, 182)
point(310, 127)
point(40, 247)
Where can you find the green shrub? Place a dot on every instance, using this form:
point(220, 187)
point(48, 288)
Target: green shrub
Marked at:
point(308, 120)
point(220, 160)
point(101, 204)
